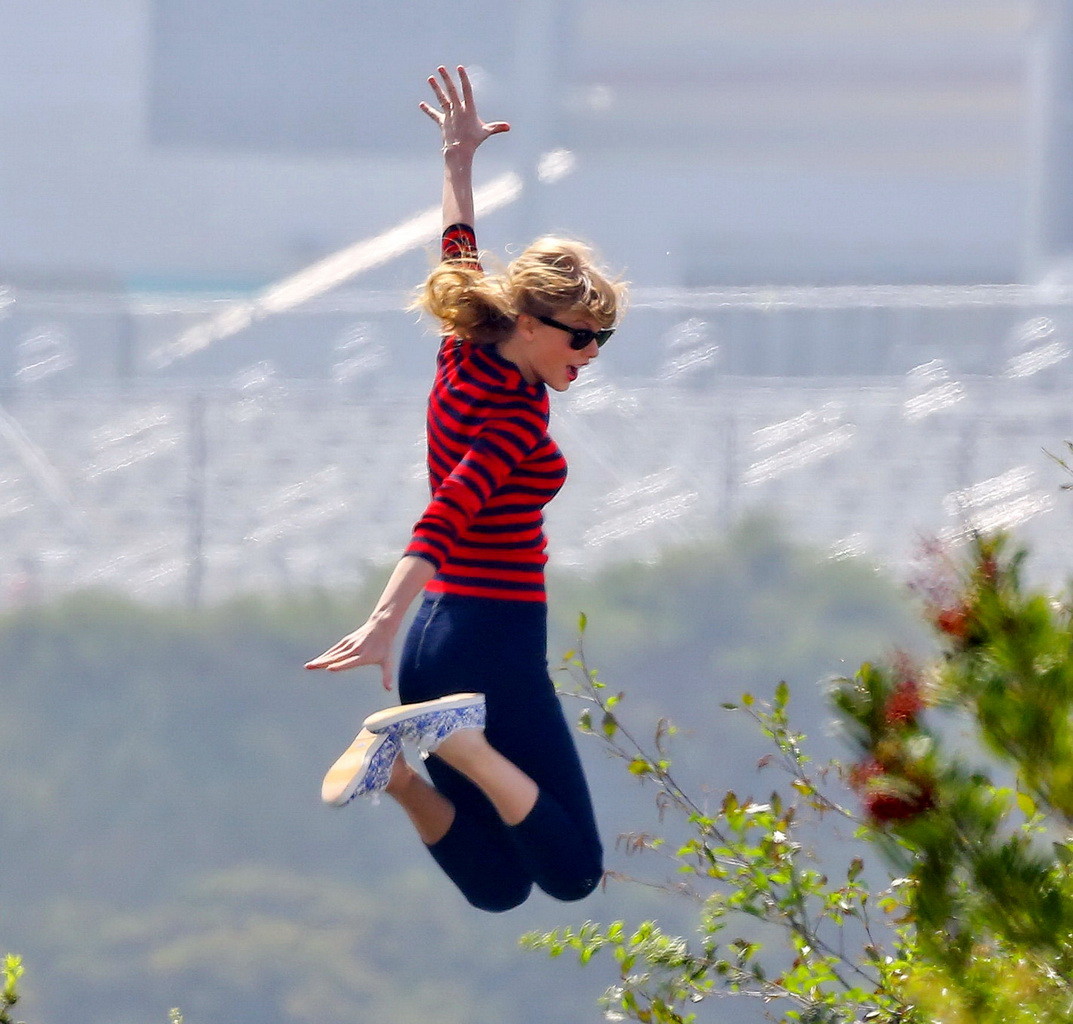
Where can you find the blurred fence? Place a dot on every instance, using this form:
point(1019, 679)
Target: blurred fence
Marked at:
point(364, 337)
point(862, 418)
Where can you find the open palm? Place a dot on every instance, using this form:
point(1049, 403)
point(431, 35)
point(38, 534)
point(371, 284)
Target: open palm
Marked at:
point(457, 115)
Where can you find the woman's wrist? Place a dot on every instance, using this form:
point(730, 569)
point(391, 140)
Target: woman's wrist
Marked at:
point(387, 617)
point(459, 152)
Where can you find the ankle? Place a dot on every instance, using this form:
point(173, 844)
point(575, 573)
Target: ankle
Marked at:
point(402, 778)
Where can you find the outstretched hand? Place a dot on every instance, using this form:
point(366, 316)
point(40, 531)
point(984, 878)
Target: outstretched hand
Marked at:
point(457, 115)
point(370, 644)
point(373, 642)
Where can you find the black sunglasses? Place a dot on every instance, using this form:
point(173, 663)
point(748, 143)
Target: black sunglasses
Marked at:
point(580, 337)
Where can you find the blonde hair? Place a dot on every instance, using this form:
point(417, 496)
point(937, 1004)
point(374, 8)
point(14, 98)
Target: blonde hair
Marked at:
point(552, 276)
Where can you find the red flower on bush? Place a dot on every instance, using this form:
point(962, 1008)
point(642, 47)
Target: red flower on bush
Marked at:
point(887, 797)
point(947, 592)
point(905, 704)
point(862, 772)
point(906, 700)
point(885, 807)
point(953, 621)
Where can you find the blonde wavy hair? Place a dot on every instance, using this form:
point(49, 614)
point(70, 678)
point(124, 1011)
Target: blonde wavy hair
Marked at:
point(552, 276)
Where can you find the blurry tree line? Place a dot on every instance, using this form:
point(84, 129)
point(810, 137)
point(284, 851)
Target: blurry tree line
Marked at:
point(164, 844)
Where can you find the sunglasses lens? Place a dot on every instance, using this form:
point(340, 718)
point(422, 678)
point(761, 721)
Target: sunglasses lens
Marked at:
point(580, 337)
point(583, 339)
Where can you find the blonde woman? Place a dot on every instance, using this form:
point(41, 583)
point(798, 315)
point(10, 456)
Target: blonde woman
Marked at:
point(505, 804)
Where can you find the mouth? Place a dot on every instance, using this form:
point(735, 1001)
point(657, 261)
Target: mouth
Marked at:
point(572, 372)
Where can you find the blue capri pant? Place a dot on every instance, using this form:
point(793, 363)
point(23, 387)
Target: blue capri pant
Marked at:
point(499, 648)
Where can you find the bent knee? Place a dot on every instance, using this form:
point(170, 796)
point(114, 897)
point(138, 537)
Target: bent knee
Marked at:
point(574, 889)
point(500, 901)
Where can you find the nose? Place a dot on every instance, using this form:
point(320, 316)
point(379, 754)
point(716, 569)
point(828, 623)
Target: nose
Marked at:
point(592, 350)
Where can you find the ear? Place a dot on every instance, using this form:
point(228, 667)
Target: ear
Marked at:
point(526, 324)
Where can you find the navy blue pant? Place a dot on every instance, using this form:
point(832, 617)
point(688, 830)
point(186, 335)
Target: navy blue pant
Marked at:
point(499, 648)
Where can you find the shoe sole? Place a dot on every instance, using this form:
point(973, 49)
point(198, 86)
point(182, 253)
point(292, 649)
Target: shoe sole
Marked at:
point(381, 720)
point(342, 780)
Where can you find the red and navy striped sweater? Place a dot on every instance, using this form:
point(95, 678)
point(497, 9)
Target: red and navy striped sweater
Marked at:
point(492, 468)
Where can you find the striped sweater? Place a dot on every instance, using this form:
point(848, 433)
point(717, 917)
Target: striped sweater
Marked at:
point(492, 468)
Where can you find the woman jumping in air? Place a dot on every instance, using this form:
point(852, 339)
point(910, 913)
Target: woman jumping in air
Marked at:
point(506, 804)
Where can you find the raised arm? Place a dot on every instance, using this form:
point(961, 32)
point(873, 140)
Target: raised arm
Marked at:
point(463, 131)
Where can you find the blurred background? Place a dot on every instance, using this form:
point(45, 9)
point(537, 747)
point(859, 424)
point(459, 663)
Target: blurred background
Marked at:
point(848, 227)
point(847, 224)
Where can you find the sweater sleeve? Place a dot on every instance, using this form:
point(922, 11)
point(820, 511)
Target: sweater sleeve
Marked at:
point(458, 244)
point(504, 440)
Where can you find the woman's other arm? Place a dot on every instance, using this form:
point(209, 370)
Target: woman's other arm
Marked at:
point(372, 643)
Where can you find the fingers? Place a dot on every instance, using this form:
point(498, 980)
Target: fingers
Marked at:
point(353, 652)
point(343, 652)
point(441, 96)
point(339, 662)
point(329, 656)
point(467, 88)
point(449, 85)
point(369, 644)
point(447, 95)
point(434, 114)
point(342, 664)
point(329, 662)
point(458, 114)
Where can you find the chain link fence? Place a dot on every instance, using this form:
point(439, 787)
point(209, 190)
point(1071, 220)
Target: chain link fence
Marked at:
point(291, 455)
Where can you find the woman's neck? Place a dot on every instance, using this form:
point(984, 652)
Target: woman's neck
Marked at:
point(512, 349)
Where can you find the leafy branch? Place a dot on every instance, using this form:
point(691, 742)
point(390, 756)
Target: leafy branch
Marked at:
point(9, 994)
point(749, 872)
point(1063, 462)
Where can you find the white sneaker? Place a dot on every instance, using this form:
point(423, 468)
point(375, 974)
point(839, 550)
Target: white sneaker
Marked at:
point(430, 722)
point(363, 769)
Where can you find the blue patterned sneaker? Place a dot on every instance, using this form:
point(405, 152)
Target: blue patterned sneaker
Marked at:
point(363, 769)
point(430, 722)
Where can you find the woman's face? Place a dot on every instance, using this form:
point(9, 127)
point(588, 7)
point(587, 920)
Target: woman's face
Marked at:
point(544, 353)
